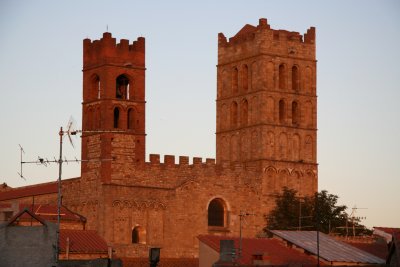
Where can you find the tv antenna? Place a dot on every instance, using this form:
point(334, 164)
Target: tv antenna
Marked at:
point(71, 131)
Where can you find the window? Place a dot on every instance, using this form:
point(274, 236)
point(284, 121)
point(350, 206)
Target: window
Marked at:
point(138, 235)
point(216, 213)
point(96, 93)
point(282, 111)
point(116, 117)
point(122, 87)
point(244, 113)
point(234, 111)
point(282, 76)
point(295, 78)
point(295, 113)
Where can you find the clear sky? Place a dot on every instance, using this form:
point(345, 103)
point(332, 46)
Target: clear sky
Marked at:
point(358, 83)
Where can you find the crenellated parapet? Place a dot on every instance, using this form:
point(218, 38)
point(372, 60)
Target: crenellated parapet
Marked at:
point(108, 51)
point(253, 40)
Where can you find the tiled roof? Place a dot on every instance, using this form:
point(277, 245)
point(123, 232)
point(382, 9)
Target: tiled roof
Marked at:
point(82, 241)
point(32, 190)
point(49, 212)
point(276, 253)
point(329, 249)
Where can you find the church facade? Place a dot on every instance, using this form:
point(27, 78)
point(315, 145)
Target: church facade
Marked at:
point(266, 138)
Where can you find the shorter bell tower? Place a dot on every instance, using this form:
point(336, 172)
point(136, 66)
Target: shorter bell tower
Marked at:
point(113, 108)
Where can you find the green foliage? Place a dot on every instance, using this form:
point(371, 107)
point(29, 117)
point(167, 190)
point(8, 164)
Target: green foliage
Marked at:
point(302, 213)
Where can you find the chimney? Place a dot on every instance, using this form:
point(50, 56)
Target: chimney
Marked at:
point(226, 254)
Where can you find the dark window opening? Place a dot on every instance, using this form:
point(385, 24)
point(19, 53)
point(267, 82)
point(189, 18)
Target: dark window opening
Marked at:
point(295, 78)
point(282, 77)
point(245, 78)
point(235, 78)
point(116, 118)
point(295, 113)
point(131, 119)
point(216, 213)
point(122, 87)
point(282, 111)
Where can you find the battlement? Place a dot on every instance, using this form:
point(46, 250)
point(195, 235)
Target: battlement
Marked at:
point(250, 32)
point(261, 39)
point(169, 160)
point(107, 50)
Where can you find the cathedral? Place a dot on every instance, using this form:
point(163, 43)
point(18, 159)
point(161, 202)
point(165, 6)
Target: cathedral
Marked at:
point(266, 139)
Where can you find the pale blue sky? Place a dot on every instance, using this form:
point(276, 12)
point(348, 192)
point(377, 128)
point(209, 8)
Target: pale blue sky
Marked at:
point(358, 83)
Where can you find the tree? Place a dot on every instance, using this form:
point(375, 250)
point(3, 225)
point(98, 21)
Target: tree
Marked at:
point(302, 213)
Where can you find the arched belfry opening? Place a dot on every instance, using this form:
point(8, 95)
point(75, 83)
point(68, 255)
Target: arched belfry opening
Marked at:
point(217, 213)
point(96, 88)
point(138, 235)
point(122, 87)
point(116, 118)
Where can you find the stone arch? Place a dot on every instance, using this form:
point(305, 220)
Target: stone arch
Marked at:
point(295, 113)
point(132, 119)
point(234, 114)
point(244, 113)
point(224, 117)
point(282, 111)
point(295, 78)
point(95, 87)
point(281, 181)
point(217, 213)
point(271, 173)
point(122, 87)
point(138, 235)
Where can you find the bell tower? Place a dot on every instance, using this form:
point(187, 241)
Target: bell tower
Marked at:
point(266, 98)
point(113, 108)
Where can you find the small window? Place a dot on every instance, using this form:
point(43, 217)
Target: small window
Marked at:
point(96, 87)
point(295, 113)
point(295, 78)
point(131, 119)
point(216, 213)
point(116, 117)
point(138, 235)
point(122, 87)
point(282, 111)
point(234, 114)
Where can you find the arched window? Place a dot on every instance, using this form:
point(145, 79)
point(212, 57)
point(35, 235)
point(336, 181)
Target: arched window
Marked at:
point(96, 93)
point(234, 111)
point(295, 113)
point(138, 235)
point(122, 87)
point(245, 78)
point(235, 78)
point(216, 213)
point(244, 113)
point(131, 119)
point(116, 117)
point(282, 112)
point(282, 76)
point(295, 78)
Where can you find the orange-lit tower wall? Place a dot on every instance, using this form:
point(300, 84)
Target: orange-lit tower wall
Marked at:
point(113, 108)
point(266, 98)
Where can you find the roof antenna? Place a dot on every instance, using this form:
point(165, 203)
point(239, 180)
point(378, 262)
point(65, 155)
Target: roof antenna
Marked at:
point(107, 27)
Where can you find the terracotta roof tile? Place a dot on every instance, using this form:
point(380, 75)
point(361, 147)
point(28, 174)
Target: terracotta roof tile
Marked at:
point(82, 241)
point(276, 252)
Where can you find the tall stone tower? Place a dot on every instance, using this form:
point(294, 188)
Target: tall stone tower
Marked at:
point(266, 98)
point(113, 108)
